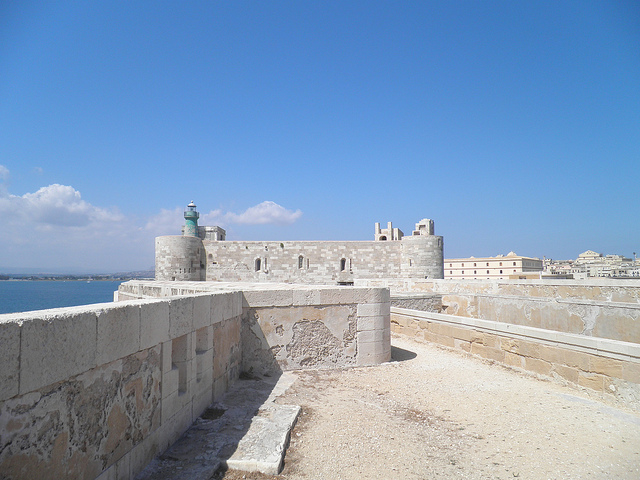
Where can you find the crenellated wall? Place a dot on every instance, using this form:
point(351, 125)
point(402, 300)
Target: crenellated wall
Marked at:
point(100, 390)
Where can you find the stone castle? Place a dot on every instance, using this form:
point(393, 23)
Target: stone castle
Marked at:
point(100, 391)
point(203, 253)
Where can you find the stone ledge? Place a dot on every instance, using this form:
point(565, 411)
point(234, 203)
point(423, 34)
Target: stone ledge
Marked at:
point(596, 346)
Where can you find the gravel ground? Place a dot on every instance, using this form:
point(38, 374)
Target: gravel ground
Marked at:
point(437, 413)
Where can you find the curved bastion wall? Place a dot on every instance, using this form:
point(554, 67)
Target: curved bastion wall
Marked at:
point(180, 258)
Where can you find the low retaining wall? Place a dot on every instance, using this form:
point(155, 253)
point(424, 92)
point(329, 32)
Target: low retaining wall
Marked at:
point(604, 365)
point(604, 308)
point(99, 391)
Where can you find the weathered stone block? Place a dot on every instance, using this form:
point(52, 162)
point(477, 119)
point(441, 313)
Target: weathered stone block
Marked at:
point(201, 311)
point(204, 362)
point(307, 296)
point(568, 373)
point(370, 348)
point(509, 345)
point(200, 403)
point(170, 382)
point(223, 306)
point(166, 356)
point(144, 453)
point(576, 359)
point(371, 336)
point(170, 406)
point(180, 316)
point(55, 347)
point(487, 352)
point(267, 298)
point(154, 323)
point(461, 333)
point(9, 359)
point(593, 381)
point(462, 344)
point(552, 354)
point(374, 323)
point(373, 295)
point(606, 366)
point(528, 349)
point(374, 309)
point(536, 365)
point(490, 340)
point(372, 358)
point(118, 333)
point(631, 372)
point(513, 359)
point(440, 339)
point(395, 328)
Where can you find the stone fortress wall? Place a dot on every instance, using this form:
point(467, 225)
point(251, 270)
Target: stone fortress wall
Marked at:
point(583, 332)
point(98, 391)
point(390, 255)
point(604, 308)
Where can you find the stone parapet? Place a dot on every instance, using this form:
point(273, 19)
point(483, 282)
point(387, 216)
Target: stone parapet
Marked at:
point(605, 365)
point(100, 390)
point(606, 308)
point(113, 385)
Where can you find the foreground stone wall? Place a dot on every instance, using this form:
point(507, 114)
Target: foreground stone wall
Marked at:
point(105, 388)
point(595, 307)
point(99, 391)
point(608, 366)
point(287, 327)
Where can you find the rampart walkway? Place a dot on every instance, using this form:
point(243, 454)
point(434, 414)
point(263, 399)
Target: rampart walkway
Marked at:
point(436, 413)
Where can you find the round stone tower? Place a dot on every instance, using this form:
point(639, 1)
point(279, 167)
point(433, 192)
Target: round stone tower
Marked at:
point(182, 257)
point(422, 252)
point(191, 216)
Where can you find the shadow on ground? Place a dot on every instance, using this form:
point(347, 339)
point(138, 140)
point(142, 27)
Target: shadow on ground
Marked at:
point(401, 355)
point(220, 435)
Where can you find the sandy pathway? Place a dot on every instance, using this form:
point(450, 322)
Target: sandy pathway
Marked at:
point(434, 413)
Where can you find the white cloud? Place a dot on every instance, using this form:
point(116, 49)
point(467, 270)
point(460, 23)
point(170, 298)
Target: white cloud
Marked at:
point(264, 213)
point(55, 228)
point(170, 222)
point(55, 205)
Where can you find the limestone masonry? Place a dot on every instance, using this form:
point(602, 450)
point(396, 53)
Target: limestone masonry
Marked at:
point(202, 253)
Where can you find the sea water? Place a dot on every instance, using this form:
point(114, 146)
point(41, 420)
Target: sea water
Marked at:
point(27, 295)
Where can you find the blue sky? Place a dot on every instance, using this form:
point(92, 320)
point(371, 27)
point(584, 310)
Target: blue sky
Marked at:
point(513, 125)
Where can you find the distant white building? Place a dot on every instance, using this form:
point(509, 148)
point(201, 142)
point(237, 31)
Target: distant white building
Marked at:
point(499, 267)
point(594, 264)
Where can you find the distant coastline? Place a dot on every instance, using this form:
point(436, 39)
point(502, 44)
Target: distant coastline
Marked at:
point(121, 277)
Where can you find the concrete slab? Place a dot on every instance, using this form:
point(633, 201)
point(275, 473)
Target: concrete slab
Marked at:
point(246, 430)
point(263, 447)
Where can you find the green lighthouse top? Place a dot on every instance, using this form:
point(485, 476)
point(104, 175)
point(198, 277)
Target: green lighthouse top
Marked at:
point(191, 216)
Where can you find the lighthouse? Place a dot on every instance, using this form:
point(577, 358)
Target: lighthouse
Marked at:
point(191, 220)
